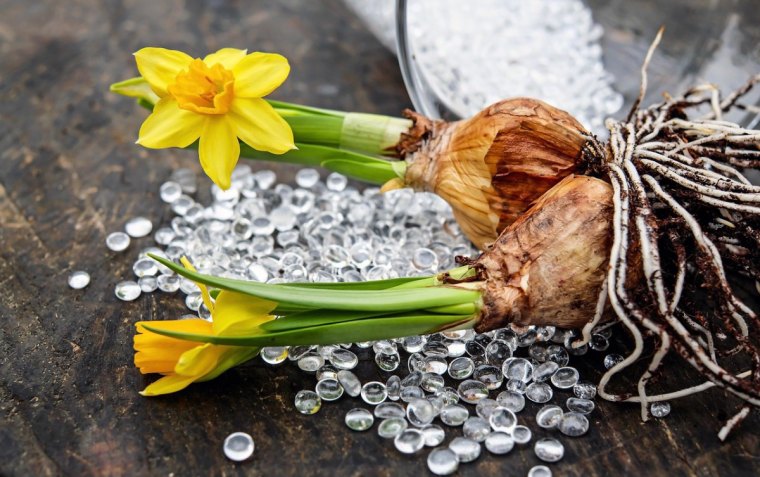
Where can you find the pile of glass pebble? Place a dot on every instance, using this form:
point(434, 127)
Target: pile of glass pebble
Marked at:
point(476, 385)
point(473, 54)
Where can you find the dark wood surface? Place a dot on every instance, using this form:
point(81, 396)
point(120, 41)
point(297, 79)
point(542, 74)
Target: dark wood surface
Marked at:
point(70, 174)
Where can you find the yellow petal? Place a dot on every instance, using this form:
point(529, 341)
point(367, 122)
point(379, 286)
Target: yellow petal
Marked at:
point(258, 74)
point(155, 353)
point(170, 126)
point(219, 150)
point(160, 67)
point(227, 57)
point(199, 361)
point(168, 384)
point(258, 125)
point(204, 290)
point(235, 313)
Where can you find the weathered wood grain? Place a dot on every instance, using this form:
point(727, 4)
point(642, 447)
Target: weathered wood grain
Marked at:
point(70, 174)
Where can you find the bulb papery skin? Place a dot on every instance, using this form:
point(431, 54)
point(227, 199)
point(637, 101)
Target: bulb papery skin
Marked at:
point(548, 267)
point(491, 167)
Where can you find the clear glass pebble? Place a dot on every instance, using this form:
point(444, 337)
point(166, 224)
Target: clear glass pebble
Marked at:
point(274, 354)
point(498, 351)
point(127, 290)
point(170, 191)
point(449, 395)
point(193, 301)
point(454, 415)
point(489, 375)
point(393, 386)
point(431, 382)
point(343, 359)
point(145, 267)
point(350, 382)
point(238, 446)
point(472, 391)
point(611, 360)
point(79, 279)
point(476, 428)
point(359, 419)
point(511, 400)
point(539, 471)
point(518, 369)
point(329, 389)
point(434, 435)
point(467, 450)
point(307, 402)
point(164, 236)
point(410, 393)
point(138, 227)
point(117, 241)
point(148, 284)
point(584, 390)
point(545, 371)
point(521, 434)
point(499, 443)
point(435, 364)
point(425, 259)
point(539, 392)
point(168, 283)
point(549, 416)
point(387, 362)
point(517, 386)
point(503, 420)
point(391, 427)
point(374, 392)
point(307, 177)
point(386, 410)
point(443, 461)
point(419, 412)
point(660, 409)
point(573, 424)
point(549, 449)
point(336, 182)
point(583, 406)
point(486, 407)
point(409, 441)
point(565, 378)
point(311, 362)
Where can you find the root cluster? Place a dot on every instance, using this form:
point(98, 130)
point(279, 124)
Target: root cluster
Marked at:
point(685, 218)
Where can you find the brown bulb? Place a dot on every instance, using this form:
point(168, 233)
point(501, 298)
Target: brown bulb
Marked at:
point(491, 167)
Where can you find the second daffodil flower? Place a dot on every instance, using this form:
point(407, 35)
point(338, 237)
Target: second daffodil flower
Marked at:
point(184, 362)
point(217, 99)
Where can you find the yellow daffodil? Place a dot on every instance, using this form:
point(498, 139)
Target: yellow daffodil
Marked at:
point(217, 99)
point(185, 362)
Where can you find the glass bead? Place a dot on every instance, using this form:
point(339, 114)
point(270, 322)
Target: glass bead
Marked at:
point(410, 393)
point(79, 279)
point(502, 420)
point(499, 443)
point(343, 359)
point(274, 354)
point(660, 409)
point(311, 362)
point(374, 392)
point(489, 375)
point(539, 471)
point(145, 267)
point(336, 182)
point(308, 402)
point(454, 415)
point(485, 407)
point(565, 378)
point(329, 389)
point(431, 382)
point(539, 392)
point(472, 391)
point(386, 410)
point(467, 450)
point(170, 191)
point(549, 449)
point(138, 227)
point(498, 351)
point(127, 290)
point(238, 446)
point(359, 419)
point(584, 390)
point(511, 400)
point(549, 416)
point(409, 441)
point(117, 241)
point(393, 386)
point(583, 406)
point(545, 371)
point(434, 435)
point(521, 434)
point(611, 360)
point(168, 283)
point(350, 382)
point(148, 284)
point(573, 424)
point(518, 369)
point(419, 412)
point(461, 368)
point(442, 461)
point(387, 362)
point(307, 177)
point(435, 364)
point(391, 427)
point(476, 428)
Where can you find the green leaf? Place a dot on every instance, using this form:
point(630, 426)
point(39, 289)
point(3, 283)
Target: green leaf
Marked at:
point(315, 318)
point(407, 282)
point(389, 300)
point(363, 171)
point(347, 332)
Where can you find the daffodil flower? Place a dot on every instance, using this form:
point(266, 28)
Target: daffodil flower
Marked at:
point(217, 99)
point(185, 362)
